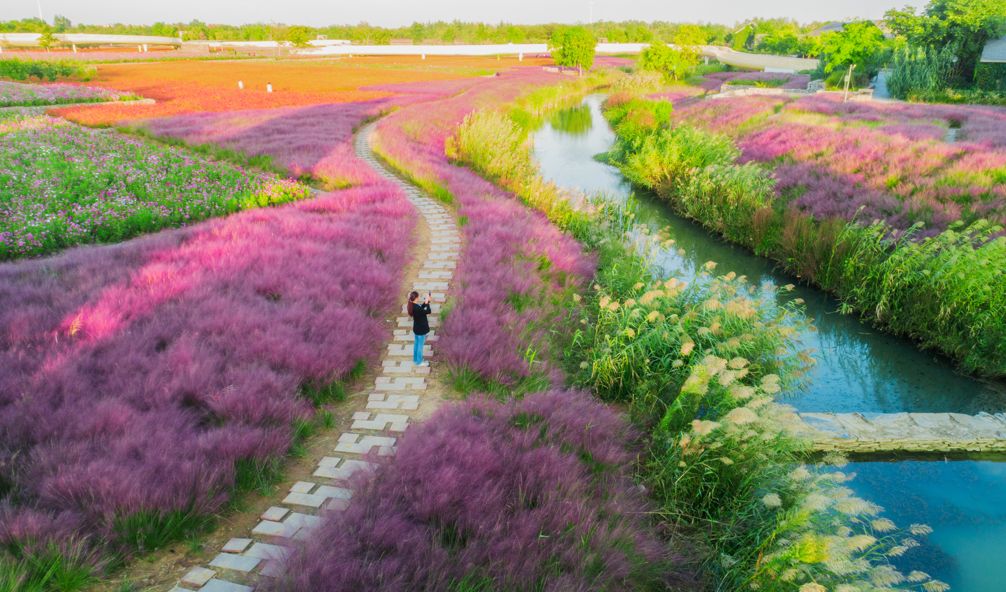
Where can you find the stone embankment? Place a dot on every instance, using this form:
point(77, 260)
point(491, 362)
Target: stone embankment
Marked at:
point(903, 432)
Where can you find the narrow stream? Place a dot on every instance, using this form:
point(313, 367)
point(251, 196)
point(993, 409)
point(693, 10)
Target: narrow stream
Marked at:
point(858, 369)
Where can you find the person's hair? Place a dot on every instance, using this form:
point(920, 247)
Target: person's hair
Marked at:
point(412, 296)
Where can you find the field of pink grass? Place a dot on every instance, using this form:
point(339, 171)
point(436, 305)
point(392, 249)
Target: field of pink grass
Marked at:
point(872, 160)
point(135, 377)
point(314, 140)
point(529, 495)
point(513, 257)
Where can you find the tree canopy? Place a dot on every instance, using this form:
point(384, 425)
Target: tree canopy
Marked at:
point(962, 25)
point(573, 47)
point(861, 44)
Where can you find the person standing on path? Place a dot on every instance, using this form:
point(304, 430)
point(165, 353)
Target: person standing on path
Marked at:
point(420, 325)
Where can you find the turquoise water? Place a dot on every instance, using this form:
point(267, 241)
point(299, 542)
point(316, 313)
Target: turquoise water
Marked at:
point(858, 369)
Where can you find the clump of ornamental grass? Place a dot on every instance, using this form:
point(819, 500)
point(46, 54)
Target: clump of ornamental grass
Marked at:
point(528, 495)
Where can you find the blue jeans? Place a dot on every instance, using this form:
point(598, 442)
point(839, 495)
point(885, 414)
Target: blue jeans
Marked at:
point(417, 349)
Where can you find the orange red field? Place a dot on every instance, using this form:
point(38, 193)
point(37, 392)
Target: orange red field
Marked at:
point(212, 86)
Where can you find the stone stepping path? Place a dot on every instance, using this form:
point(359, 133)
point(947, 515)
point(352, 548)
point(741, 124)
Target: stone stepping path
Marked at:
point(374, 430)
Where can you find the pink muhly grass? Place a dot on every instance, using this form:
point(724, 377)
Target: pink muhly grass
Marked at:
point(134, 377)
point(514, 258)
point(531, 494)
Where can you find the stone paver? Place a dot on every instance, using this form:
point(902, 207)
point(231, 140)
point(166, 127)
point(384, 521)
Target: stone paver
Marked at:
point(396, 395)
point(235, 562)
point(198, 576)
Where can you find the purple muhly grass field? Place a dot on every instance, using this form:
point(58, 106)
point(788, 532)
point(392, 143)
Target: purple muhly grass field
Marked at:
point(502, 295)
point(134, 377)
point(873, 160)
point(315, 140)
point(715, 80)
point(21, 93)
point(528, 495)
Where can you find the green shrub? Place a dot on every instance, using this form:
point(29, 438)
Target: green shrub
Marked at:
point(16, 69)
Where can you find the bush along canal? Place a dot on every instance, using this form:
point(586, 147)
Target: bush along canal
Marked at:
point(858, 370)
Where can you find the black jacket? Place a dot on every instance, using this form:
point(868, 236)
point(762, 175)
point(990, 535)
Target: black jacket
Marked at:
point(420, 324)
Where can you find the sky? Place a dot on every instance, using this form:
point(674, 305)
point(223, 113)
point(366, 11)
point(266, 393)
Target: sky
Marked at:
point(400, 12)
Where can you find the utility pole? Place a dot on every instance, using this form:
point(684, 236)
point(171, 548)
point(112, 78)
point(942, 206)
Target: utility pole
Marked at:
point(40, 17)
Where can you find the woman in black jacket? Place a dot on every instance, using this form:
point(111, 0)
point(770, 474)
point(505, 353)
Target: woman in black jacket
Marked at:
point(420, 325)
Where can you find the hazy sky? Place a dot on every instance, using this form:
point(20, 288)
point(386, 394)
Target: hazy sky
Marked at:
point(398, 12)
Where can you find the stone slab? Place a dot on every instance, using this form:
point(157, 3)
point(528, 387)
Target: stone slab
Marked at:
point(234, 562)
point(198, 576)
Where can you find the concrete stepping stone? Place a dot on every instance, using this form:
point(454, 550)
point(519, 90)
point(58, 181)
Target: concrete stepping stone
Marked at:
point(430, 286)
point(360, 444)
point(271, 528)
point(267, 551)
point(275, 513)
point(198, 576)
point(234, 562)
point(393, 367)
point(400, 383)
point(380, 422)
point(393, 401)
point(236, 545)
point(216, 585)
point(436, 275)
point(340, 469)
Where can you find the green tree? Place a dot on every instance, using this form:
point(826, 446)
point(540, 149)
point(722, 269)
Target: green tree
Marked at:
point(47, 40)
point(298, 36)
point(60, 23)
point(690, 36)
point(673, 63)
point(964, 25)
point(573, 47)
point(861, 44)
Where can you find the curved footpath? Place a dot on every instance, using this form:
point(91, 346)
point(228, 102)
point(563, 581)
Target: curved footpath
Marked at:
point(393, 403)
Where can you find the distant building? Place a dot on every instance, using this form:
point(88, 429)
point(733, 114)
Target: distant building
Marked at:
point(829, 28)
point(994, 52)
point(990, 73)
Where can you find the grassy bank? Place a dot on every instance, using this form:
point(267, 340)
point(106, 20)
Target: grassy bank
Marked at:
point(946, 290)
point(699, 367)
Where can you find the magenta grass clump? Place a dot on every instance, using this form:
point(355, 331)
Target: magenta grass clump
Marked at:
point(514, 260)
point(136, 379)
point(528, 495)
